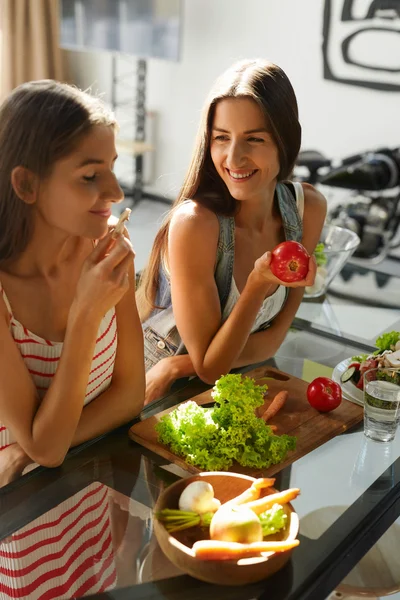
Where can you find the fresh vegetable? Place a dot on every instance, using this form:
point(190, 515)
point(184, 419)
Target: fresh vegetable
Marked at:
point(366, 365)
point(356, 365)
point(324, 394)
point(393, 377)
point(388, 341)
point(360, 358)
point(236, 524)
point(352, 374)
point(253, 492)
point(275, 406)
point(290, 261)
point(262, 504)
point(216, 550)
point(198, 497)
point(213, 438)
point(320, 256)
point(387, 354)
point(348, 374)
point(360, 383)
point(176, 520)
point(273, 520)
point(245, 517)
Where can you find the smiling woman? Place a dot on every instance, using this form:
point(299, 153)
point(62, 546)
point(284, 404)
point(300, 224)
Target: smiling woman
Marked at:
point(208, 299)
point(72, 347)
point(246, 159)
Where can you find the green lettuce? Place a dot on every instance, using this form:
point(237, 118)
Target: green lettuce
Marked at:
point(213, 438)
point(273, 520)
point(387, 341)
point(360, 358)
point(320, 255)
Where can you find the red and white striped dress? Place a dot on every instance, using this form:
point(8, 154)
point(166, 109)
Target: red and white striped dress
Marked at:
point(67, 552)
point(41, 358)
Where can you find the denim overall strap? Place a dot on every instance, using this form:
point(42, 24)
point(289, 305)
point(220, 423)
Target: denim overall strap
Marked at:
point(225, 257)
point(292, 224)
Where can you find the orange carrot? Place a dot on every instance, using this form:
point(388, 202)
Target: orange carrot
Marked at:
point(253, 492)
point(275, 405)
point(263, 504)
point(217, 550)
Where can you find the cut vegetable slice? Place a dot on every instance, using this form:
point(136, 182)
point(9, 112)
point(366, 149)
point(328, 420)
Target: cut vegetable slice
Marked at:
point(348, 374)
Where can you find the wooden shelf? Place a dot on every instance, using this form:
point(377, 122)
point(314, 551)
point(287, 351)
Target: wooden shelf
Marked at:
point(132, 147)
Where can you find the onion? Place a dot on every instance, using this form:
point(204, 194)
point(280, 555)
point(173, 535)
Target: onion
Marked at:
point(198, 497)
point(236, 524)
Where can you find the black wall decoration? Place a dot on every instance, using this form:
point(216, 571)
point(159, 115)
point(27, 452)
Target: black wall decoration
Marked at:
point(361, 43)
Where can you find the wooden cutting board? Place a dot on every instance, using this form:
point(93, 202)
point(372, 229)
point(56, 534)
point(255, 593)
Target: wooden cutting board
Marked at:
point(297, 418)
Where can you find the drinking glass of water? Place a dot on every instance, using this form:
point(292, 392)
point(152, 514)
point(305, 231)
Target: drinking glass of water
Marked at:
point(381, 403)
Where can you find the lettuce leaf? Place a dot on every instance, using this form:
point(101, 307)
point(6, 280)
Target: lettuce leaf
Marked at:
point(320, 255)
point(273, 520)
point(387, 341)
point(213, 438)
point(360, 358)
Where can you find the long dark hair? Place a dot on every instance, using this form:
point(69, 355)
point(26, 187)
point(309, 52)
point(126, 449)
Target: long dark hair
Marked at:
point(267, 85)
point(40, 122)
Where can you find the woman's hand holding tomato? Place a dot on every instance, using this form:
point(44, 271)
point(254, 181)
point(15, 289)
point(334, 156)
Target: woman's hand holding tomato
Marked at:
point(289, 264)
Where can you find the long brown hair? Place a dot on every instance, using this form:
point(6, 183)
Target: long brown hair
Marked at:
point(269, 86)
point(40, 122)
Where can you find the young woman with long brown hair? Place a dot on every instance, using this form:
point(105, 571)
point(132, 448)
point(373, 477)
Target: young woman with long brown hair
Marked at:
point(71, 349)
point(208, 300)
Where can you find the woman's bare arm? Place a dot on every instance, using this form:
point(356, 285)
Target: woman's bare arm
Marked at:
point(45, 430)
point(215, 349)
point(124, 399)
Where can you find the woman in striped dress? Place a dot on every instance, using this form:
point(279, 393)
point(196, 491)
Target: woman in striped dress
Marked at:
point(71, 355)
point(72, 349)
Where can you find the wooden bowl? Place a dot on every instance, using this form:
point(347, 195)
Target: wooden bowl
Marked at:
point(177, 546)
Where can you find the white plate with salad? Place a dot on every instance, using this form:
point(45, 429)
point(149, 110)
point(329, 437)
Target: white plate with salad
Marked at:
point(349, 372)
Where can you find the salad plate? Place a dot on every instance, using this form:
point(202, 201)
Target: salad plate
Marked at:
point(387, 354)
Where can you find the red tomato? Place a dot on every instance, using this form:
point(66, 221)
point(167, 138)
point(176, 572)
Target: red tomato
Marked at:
point(324, 394)
point(290, 262)
point(356, 365)
point(370, 363)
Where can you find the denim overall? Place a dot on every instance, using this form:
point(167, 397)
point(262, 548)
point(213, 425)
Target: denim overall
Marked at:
point(161, 337)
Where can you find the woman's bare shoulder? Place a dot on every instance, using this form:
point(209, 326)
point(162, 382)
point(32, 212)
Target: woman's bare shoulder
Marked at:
point(315, 208)
point(191, 215)
point(313, 199)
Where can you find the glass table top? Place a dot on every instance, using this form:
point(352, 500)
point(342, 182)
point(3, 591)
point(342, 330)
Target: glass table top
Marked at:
point(86, 528)
point(358, 324)
point(361, 303)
